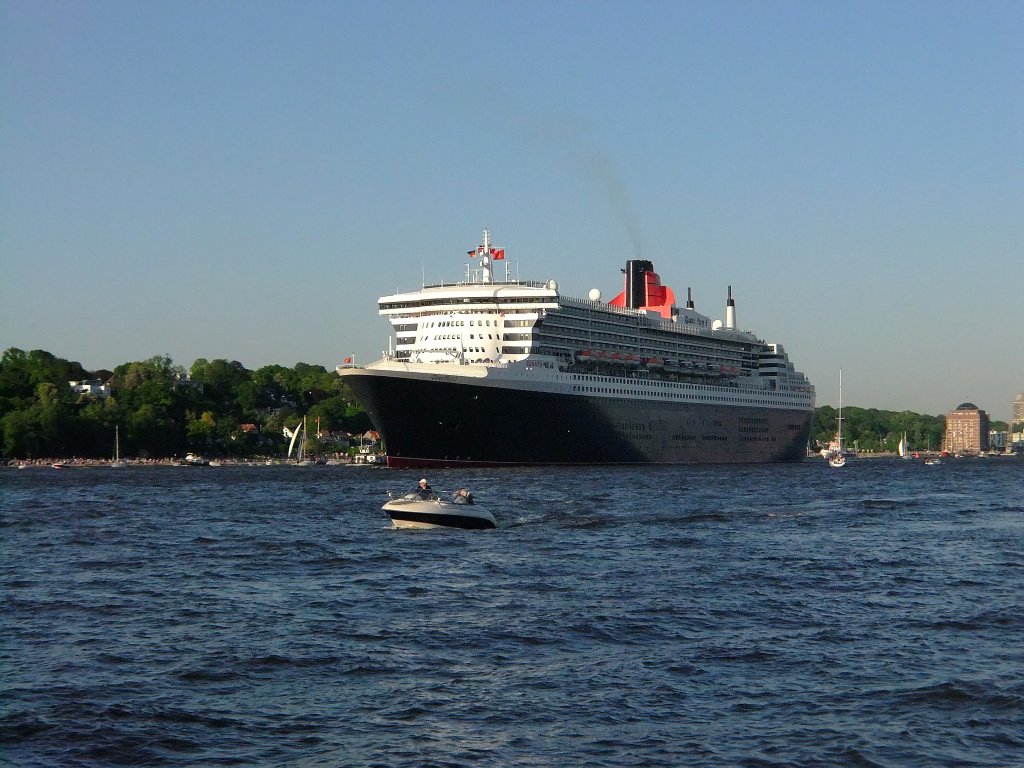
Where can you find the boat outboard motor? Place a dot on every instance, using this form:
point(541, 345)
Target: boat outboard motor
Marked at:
point(636, 282)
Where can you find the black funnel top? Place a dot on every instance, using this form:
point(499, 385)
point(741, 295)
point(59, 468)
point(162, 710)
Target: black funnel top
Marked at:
point(636, 282)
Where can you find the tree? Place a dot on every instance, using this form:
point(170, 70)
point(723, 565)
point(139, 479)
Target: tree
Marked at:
point(875, 430)
point(159, 411)
point(201, 431)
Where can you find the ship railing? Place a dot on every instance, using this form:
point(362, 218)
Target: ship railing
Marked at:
point(499, 283)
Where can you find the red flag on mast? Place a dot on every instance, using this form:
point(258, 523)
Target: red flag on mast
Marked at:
point(499, 254)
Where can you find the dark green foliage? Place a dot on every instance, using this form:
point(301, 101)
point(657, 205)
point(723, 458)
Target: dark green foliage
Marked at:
point(160, 410)
point(870, 429)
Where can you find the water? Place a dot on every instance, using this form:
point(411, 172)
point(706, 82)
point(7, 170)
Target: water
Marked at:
point(708, 616)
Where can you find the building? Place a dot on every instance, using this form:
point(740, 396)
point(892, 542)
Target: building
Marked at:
point(1018, 409)
point(90, 387)
point(966, 429)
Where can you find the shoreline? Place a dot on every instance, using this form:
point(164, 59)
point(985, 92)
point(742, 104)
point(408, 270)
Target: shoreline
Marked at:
point(269, 461)
point(77, 463)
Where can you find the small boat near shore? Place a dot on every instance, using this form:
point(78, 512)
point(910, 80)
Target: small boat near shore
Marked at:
point(835, 454)
point(117, 462)
point(414, 511)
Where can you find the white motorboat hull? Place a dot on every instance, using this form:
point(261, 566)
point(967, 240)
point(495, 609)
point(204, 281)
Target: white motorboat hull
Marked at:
point(405, 513)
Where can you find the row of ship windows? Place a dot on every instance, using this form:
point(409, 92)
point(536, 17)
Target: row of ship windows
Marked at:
point(669, 385)
point(663, 348)
point(455, 336)
point(452, 336)
point(676, 395)
point(672, 384)
point(706, 356)
point(504, 350)
point(457, 323)
point(413, 327)
point(617, 328)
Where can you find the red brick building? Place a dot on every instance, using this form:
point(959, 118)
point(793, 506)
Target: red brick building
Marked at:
point(966, 429)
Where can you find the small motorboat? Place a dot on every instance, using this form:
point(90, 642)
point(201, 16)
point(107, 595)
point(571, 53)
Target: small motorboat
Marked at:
point(415, 511)
point(836, 460)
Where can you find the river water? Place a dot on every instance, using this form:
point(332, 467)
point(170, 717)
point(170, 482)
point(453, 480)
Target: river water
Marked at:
point(783, 615)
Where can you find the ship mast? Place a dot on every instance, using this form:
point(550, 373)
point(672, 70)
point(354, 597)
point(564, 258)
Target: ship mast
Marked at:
point(485, 258)
point(488, 254)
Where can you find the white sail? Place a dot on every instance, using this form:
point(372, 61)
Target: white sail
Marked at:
point(903, 446)
point(295, 437)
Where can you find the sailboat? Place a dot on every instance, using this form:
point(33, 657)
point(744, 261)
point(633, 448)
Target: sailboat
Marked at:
point(835, 454)
point(299, 444)
point(902, 448)
point(117, 462)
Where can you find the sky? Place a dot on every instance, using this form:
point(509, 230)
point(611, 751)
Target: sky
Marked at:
point(244, 180)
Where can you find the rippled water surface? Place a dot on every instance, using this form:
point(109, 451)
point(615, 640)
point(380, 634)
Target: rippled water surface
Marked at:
point(775, 615)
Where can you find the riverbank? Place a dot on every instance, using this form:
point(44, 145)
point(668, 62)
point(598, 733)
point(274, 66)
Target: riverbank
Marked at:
point(77, 463)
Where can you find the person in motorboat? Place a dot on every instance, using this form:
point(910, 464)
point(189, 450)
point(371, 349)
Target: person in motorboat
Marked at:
point(424, 491)
point(463, 496)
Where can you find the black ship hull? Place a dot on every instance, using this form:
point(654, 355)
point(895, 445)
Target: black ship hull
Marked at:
point(428, 422)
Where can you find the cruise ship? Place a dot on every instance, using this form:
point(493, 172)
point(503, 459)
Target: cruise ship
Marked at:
point(494, 371)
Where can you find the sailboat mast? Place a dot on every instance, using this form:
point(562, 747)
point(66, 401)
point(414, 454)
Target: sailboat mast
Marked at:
point(839, 435)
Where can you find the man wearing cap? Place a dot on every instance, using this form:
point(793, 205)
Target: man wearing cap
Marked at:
point(424, 490)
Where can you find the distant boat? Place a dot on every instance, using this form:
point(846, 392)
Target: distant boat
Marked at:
point(932, 461)
point(904, 453)
point(117, 450)
point(299, 445)
point(835, 454)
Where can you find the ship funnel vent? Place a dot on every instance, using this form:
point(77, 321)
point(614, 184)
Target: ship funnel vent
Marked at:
point(636, 282)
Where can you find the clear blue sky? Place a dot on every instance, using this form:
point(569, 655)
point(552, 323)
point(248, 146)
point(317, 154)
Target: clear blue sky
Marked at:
point(244, 180)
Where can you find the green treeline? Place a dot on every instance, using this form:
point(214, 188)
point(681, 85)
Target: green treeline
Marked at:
point(162, 411)
point(870, 429)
